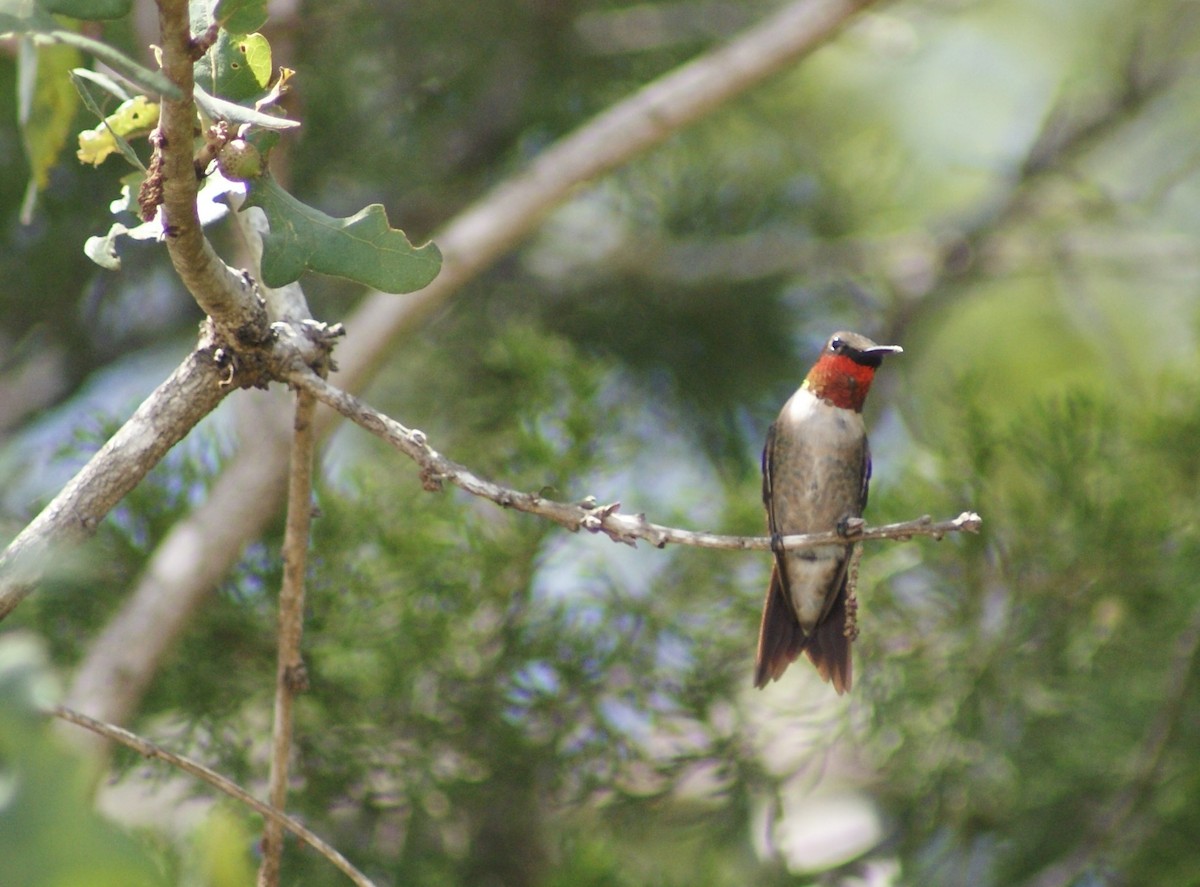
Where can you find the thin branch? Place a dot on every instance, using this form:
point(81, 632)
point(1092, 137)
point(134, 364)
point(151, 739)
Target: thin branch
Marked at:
point(588, 515)
point(291, 677)
point(188, 563)
point(216, 780)
point(162, 420)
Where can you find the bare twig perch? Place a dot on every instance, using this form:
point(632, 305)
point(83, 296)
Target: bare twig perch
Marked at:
point(588, 515)
point(216, 780)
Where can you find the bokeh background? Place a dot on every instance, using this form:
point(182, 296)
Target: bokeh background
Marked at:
point(1007, 188)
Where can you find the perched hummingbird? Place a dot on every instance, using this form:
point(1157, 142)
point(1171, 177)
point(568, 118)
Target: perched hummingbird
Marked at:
point(816, 467)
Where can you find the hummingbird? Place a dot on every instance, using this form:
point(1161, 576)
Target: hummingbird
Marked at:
point(816, 467)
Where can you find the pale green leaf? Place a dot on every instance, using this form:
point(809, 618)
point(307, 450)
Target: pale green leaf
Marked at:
point(236, 67)
point(220, 109)
point(241, 16)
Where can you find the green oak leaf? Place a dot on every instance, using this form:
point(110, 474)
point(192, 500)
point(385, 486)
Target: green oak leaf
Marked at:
point(90, 10)
point(241, 16)
point(362, 247)
point(236, 67)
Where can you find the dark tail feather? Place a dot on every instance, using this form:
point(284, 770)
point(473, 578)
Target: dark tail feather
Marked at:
point(829, 648)
point(780, 638)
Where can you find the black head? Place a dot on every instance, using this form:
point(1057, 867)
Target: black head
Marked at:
point(859, 349)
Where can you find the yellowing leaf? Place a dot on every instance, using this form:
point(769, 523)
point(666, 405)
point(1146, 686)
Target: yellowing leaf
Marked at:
point(48, 125)
point(137, 116)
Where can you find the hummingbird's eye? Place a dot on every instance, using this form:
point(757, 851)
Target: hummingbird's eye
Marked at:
point(835, 344)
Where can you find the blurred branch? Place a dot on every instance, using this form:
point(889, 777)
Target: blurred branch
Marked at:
point(195, 554)
point(984, 246)
point(607, 519)
point(203, 547)
point(511, 211)
point(291, 677)
point(1113, 832)
point(162, 420)
point(216, 780)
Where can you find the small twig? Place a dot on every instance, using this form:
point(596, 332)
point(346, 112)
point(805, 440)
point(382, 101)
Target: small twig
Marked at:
point(149, 750)
point(291, 677)
point(588, 515)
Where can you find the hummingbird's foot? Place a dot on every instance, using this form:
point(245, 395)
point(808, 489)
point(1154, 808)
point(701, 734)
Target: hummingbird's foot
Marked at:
point(777, 543)
point(851, 626)
point(849, 526)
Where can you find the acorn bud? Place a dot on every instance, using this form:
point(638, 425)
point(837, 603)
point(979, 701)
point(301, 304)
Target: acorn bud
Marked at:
point(239, 160)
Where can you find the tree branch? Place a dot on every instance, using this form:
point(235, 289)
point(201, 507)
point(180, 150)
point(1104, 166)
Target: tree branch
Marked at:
point(225, 295)
point(189, 562)
point(162, 420)
point(187, 565)
point(291, 677)
point(216, 780)
point(437, 469)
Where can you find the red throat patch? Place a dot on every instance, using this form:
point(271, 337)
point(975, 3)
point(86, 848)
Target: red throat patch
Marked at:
point(840, 381)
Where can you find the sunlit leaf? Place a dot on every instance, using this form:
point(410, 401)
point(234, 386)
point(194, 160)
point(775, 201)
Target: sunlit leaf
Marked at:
point(362, 247)
point(236, 67)
point(220, 109)
point(137, 116)
point(210, 207)
point(241, 16)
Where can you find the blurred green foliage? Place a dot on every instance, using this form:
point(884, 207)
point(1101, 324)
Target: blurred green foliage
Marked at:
point(49, 834)
point(1008, 189)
